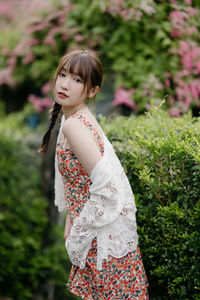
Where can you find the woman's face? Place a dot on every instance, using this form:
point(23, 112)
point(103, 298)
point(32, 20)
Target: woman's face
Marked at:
point(69, 89)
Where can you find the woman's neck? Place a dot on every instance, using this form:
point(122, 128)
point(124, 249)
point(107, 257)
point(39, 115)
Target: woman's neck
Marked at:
point(69, 111)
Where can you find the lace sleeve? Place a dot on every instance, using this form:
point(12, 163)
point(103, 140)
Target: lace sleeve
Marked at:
point(58, 184)
point(108, 215)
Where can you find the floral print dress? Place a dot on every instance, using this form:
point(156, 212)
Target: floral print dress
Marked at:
point(120, 278)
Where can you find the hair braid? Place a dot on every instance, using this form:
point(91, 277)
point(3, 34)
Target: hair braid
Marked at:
point(54, 115)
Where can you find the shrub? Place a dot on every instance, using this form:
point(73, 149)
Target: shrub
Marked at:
point(162, 158)
point(32, 253)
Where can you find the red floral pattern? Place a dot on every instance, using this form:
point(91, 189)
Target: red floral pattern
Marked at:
point(120, 278)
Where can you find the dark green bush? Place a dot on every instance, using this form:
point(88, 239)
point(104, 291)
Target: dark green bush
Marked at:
point(32, 252)
point(162, 158)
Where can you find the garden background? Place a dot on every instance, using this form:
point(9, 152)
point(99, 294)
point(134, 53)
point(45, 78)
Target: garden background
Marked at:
point(150, 101)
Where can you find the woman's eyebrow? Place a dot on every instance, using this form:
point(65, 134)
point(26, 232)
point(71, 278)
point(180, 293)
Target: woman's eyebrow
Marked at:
point(73, 74)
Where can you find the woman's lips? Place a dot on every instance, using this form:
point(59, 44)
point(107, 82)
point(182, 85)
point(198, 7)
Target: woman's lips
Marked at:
point(62, 95)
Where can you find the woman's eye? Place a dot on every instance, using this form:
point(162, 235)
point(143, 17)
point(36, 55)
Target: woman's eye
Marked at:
point(77, 79)
point(61, 74)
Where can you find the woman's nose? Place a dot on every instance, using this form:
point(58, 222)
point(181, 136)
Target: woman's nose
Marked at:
point(65, 83)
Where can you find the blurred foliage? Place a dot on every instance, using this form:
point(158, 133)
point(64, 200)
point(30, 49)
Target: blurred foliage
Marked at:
point(32, 252)
point(150, 47)
point(161, 156)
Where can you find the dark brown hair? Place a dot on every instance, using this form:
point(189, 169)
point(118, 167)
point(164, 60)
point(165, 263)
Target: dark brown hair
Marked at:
point(88, 67)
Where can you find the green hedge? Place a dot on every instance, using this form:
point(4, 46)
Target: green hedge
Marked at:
point(162, 158)
point(32, 252)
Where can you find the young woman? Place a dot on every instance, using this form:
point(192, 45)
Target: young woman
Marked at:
point(100, 228)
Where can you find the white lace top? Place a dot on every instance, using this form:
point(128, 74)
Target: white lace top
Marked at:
point(109, 215)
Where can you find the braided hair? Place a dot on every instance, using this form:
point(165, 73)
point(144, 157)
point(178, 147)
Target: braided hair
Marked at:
point(54, 115)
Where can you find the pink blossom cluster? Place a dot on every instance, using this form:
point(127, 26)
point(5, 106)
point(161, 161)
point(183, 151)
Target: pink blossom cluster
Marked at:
point(182, 21)
point(130, 12)
point(40, 104)
point(151, 85)
point(185, 81)
point(189, 53)
point(6, 10)
point(54, 23)
point(123, 96)
point(47, 87)
point(25, 48)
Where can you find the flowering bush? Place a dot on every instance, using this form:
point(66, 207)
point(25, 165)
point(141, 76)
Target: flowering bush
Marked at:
point(150, 47)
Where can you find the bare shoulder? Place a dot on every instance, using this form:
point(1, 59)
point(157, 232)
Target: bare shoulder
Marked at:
point(70, 124)
point(82, 143)
point(74, 130)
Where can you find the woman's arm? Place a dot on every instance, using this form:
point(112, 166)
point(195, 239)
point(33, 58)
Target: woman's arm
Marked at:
point(82, 143)
point(68, 225)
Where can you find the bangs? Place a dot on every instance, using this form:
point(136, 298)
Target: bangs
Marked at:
point(84, 64)
point(80, 65)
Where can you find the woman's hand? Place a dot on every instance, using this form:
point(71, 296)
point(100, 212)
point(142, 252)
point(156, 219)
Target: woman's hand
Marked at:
point(68, 225)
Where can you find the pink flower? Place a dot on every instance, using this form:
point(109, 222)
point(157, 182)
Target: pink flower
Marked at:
point(49, 40)
point(33, 42)
point(187, 102)
point(194, 90)
point(167, 83)
point(168, 74)
point(64, 37)
point(147, 8)
point(183, 47)
point(198, 66)
point(191, 11)
point(28, 58)
point(186, 89)
point(39, 103)
point(179, 93)
point(189, 2)
point(191, 30)
point(46, 102)
point(124, 14)
point(38, 27)
point(35, 102)
point(187, 61)
point(79, 37)
point(5, 76)
point(5, 51)
point(176, 16)
point(46, 88)
point(123, 96)
point(175, 34)
point(183, 73)
point(6, 9)
point(174, 112)
point(12, 62)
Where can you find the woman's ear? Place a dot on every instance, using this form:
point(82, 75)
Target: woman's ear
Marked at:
point(93, 91)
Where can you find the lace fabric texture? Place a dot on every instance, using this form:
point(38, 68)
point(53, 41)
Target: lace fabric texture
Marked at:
point(108, 215)
point(58, 184)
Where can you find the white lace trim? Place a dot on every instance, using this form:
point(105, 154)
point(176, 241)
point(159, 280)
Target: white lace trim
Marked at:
point(59, 185)
point(108, 215)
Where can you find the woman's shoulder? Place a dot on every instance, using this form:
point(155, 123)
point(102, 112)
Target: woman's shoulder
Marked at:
point(79, 121)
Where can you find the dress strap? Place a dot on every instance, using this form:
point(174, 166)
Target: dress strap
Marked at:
point(90, 126)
